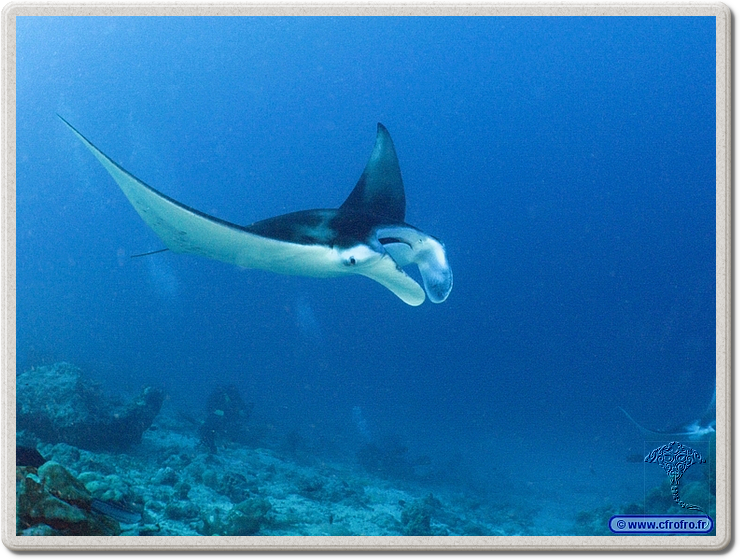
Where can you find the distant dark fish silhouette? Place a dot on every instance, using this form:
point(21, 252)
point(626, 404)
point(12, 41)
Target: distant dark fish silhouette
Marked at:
point(120, 514)
point(695, 430)
point(28, 457)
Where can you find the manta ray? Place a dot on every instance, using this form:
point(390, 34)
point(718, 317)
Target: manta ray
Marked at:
point(366, 235)
point(696, 430)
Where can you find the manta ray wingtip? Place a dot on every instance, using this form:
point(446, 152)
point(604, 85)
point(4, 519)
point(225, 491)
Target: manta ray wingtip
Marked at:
point(72, 128)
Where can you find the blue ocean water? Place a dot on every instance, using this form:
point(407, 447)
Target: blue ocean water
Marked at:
point(568, 165)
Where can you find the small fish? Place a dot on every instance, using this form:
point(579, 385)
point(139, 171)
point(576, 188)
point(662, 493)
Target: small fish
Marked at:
point(120, 514)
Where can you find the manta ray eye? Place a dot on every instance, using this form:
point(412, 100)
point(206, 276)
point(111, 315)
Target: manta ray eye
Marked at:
point(352, 261)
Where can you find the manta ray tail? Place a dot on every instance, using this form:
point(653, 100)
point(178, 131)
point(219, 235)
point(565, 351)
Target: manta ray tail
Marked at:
point(149, 253)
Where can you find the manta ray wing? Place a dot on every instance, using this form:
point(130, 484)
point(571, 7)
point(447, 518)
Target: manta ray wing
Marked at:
point(379, 191)
point(187, 230)
point(692, 431)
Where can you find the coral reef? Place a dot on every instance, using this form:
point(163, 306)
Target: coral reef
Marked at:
point(247, 517)
point(168, 483)
point(387, 456)
point(58, 404)
point(226, 415)
point(416, 518)
point(53, 502)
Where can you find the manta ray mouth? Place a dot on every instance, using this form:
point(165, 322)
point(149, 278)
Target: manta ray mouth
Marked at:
point(389, 240)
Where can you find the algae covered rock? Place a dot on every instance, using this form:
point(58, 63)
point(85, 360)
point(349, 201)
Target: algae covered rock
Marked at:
point(58, 404)
point(181, 509)
point(60, 483)
point(247, 517)
point(416, 518)
point(53, 502)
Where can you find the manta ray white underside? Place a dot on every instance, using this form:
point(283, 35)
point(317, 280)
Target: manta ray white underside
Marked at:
point(366, 235)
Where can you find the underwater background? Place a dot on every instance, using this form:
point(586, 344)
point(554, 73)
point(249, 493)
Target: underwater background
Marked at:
point(568, 165)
